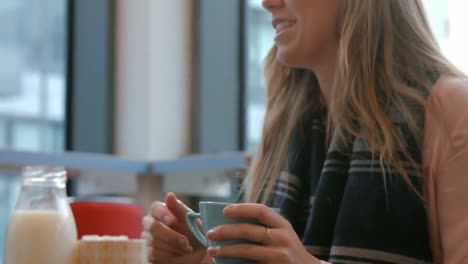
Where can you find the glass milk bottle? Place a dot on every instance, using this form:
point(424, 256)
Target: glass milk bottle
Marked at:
point(42, 229)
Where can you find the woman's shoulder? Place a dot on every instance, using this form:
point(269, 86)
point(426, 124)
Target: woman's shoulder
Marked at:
point(447, 116)
point(449, 100)
point(449, 91)
point(446, 161)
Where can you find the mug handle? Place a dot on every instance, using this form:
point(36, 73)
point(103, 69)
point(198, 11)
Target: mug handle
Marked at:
point(190, 219)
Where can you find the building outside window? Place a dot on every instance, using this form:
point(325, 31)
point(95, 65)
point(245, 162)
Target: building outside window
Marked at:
point(447, 18)
point(259, 39)
point(32, 85)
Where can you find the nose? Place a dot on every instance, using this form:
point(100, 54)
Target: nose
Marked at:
point(271, 5)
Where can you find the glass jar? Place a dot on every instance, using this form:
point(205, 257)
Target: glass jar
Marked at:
point(42, 228)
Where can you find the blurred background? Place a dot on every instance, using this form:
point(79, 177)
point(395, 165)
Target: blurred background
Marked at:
point(140, 97)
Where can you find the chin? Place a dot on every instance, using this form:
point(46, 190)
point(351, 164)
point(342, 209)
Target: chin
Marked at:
point(287, 57)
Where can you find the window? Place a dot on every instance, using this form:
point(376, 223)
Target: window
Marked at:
point(447, 18)
point(259, 38)
point(32, 73)
point(32, 90)
point(449, 22)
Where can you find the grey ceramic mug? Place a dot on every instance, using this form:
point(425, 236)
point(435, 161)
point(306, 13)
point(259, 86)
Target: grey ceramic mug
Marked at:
point(211, 214)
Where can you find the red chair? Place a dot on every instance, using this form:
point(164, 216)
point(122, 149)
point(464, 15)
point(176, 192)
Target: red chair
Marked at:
point(107, 218)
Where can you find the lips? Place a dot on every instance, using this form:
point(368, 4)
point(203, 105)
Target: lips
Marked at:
point(282, 24)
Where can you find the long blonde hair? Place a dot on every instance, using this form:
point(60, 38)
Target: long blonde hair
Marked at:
point(382, 45)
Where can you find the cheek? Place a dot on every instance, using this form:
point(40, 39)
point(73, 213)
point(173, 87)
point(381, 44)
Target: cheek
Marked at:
point(314, 37)
point(299, 49)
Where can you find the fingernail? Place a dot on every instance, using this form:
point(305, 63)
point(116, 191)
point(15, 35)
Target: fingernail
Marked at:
point(228, 210)
point(213, 251)
point(211, 234)
point(167, 220)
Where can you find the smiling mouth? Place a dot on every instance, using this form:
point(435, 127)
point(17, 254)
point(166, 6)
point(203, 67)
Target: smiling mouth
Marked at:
point(284, 25)
point(281, 24)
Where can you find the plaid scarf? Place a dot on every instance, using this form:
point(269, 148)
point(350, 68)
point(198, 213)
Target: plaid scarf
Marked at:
point(341, 205)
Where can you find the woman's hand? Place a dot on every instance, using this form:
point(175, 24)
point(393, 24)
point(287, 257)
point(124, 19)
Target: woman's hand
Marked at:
point(169, 239)
point(278, 241)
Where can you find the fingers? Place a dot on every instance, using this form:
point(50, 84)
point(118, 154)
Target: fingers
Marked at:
point(261, 212)
point(247, 251)
point(164, 248)
point(151, 255)
point(164, 234)
point(171, 211)
point(160, 211)
point(156, 255)
point(147, 237)
point(254, 233)
point(177, 208)
point(148, 221)
point(171, 237)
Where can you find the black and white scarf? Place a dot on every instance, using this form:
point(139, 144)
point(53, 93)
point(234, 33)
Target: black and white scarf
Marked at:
point(341, 206)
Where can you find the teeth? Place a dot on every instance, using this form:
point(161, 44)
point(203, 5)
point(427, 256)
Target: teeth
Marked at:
point(284, 25)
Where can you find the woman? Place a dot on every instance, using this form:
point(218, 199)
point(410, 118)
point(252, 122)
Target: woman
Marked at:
point(364, 146)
